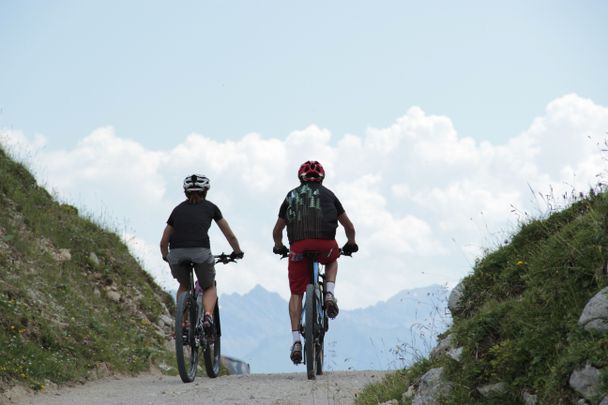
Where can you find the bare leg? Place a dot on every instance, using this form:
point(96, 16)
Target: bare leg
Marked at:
point(209, 299)
point(331, 304)
point(295, 311)
point(182, 287)
point(331, 271)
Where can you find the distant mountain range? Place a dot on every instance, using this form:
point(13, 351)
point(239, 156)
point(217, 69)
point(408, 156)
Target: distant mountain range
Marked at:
point(388, 335)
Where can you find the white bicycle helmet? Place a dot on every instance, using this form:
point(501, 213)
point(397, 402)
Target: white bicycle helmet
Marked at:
point(196, 182)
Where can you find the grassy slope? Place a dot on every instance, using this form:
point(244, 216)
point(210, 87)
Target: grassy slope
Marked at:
point(521, 307)
point(56, 320)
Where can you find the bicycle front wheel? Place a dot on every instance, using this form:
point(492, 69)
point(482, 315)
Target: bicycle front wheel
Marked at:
point(186, 345)
point(319, 355)
point(212, 349)
point(309, 331)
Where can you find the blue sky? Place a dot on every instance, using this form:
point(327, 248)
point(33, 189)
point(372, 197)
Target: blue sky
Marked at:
point(157, 71)
point(433, 119)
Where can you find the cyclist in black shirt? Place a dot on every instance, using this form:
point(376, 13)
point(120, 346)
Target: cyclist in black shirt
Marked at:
point(311, 213)
point(185, 238)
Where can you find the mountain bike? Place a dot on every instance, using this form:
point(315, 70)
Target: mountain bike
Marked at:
point(190, 338)
point(314, 322)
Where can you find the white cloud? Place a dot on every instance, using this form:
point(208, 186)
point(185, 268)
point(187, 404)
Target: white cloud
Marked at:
point(20, 146)
point(423, 198)
point(150, 259)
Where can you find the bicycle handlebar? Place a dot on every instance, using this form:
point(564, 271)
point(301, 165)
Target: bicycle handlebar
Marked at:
point(284, 255)
point(224, 258)
point(346, 254)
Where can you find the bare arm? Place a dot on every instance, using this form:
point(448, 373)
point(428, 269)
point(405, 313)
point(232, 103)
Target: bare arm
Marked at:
point(164, 241)
point(277, 232)
point(230, 237)
point(349, 228)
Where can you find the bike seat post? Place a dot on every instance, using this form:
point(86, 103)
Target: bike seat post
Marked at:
point(190, 265)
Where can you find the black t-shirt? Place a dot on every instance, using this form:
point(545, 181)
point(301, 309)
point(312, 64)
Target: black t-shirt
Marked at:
point(190, 224)
point(311, 211)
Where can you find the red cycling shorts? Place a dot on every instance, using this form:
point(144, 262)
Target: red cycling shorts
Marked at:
point(299, 267)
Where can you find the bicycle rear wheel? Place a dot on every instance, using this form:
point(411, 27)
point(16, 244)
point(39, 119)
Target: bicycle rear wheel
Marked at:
point(212, 349)
point(309, 328)
point(186, 346)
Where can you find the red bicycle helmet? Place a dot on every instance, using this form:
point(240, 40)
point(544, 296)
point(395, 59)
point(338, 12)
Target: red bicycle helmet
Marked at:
point(311, 171)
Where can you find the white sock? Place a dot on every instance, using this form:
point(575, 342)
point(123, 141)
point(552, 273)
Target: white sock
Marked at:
point(330, 287)
point(296, 335)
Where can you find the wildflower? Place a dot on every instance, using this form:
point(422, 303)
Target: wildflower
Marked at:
point(520, 263)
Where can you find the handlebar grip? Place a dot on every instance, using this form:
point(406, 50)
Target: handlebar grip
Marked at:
point(224, 258)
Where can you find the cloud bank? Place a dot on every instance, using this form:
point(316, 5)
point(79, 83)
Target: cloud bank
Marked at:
point(424, 199)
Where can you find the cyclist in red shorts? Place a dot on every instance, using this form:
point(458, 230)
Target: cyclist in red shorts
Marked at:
point(311, 213)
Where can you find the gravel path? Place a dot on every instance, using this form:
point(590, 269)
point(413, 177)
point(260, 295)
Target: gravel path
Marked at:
point(275, 389)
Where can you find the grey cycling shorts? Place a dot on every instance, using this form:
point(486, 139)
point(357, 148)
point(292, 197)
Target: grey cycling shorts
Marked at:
point(204, 268)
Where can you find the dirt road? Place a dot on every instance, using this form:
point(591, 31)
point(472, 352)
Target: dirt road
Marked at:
point(275, 389)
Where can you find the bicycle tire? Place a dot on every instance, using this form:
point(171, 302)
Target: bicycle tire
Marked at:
point(186, 349)
point(309, 328)
point(212, 351)
point(321, 324)
point(319, 356)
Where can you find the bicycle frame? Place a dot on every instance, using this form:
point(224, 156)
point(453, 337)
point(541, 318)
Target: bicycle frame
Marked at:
point(317, 280)
point(190, 304)
point(187, 340)
point(313, 321)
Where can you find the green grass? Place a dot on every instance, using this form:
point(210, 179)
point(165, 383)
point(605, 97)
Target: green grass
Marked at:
point(518, 324)
point(56, 321)
point(392, 385)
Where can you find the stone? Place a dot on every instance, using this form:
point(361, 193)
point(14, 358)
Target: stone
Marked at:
point(455, 299)
point(114, 295)
point(166, 321)
point(409, 394)
point(101, 370)
point(49, 385)
point(431, 388)
point(493, 390)
point(446, 346)
point(456, 353)
point(160, 332)
point(236, 366)
point(170, 345)
point(443, 346)
point(390, 402)
point(530, 399)
point(595, 313)
point(94, 260)
point(604, 401)
point(164, 308)
point(63, 255)
point(586, 381)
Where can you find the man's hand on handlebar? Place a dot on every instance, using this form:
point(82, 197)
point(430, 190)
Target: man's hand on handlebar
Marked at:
point(235, 255)
point(281, 250)
point(349, 248)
